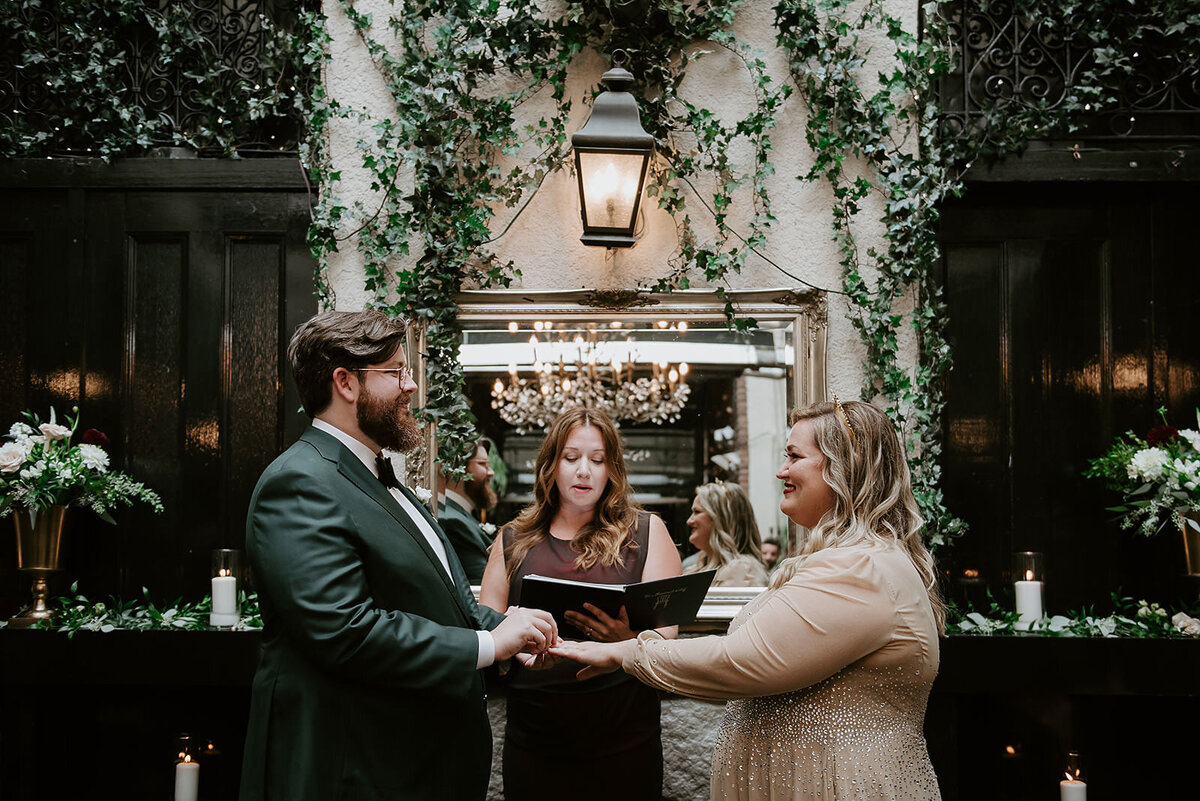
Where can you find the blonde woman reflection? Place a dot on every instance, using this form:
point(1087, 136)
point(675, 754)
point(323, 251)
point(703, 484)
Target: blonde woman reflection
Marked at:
point(829, 670)
point(723, 528)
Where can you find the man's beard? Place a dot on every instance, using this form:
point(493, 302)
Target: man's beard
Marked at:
point(387, 423)
point(481, 494)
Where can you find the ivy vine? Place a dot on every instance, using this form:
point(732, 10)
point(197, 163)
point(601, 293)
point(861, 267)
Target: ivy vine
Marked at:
point(112, 77)
point(454, 149)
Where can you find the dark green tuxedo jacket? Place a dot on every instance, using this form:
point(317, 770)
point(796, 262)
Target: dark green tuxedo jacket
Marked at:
point(469, 541)
point(366, 687)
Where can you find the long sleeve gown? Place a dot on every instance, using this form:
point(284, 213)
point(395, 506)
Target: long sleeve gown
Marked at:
point(827, 679)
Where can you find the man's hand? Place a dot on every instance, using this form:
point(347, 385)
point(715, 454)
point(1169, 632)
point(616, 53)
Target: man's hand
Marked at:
point(529, 631)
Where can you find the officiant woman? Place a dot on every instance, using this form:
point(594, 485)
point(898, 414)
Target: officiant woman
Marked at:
point(597, 739)
point(829, 670)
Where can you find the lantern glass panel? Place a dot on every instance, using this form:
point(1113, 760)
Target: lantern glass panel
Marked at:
point(610, 185)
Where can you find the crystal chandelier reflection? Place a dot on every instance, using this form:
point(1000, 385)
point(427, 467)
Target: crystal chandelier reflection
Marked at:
point(594, 382)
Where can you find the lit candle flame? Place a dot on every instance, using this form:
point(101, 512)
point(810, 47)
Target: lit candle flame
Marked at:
point(223, 572)
point(1029, 575)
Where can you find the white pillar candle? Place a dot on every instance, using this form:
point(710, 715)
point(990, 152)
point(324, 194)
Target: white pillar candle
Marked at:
point(1029, 603)
point(187, 781)
point(1072, 790)
point(224, 595)
point(224, 601)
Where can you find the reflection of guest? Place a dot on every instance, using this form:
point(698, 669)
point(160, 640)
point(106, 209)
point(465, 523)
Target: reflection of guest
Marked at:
point(459, 502)
point(831, 667)
point(598, 739)
point(770, 552)
point(723, 528)
point(372, 641)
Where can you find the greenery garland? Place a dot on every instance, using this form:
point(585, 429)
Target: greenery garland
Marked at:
point(1131, 618)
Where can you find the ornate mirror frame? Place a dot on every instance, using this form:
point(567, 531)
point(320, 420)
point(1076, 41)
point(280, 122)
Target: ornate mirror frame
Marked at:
point(804, 310)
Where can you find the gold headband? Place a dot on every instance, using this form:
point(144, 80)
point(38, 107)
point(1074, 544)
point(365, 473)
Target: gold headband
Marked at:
point(837, 407)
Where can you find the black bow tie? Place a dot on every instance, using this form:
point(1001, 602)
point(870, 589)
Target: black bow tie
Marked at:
point(387, 476)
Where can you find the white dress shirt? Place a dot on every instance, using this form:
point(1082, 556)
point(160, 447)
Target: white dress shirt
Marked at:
point(487, 646)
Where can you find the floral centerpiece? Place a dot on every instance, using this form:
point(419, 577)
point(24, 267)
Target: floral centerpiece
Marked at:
point(1159, 476)
point(40, 468)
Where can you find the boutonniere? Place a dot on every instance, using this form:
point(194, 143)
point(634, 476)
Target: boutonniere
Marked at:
point(423, 495)
point(488, 528)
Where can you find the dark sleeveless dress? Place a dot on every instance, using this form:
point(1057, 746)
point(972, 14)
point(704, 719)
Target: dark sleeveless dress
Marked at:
point(594, 740)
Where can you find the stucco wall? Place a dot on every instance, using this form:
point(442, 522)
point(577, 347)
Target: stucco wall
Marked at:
point(544, 240)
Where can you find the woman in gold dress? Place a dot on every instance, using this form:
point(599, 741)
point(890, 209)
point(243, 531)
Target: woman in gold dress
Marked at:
point(828, 672)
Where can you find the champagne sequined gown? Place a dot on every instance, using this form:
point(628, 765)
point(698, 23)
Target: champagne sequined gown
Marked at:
point(828, 675)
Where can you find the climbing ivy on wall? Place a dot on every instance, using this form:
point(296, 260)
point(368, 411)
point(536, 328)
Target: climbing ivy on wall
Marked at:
point(466, 156)
point(456, 148)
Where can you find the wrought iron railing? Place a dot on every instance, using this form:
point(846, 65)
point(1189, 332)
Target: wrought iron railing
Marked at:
point(211, 73)
point(1006, 62)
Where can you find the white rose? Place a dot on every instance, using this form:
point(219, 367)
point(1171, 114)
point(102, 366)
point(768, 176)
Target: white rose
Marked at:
point(12, 456)
point(488, 528)
point(1193, 438)
point(94, 457)
point(53, 431)
point(423, 495)
point(1148, 463)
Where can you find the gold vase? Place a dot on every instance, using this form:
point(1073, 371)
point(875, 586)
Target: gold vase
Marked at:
point(39, 544)
point(1191, 543)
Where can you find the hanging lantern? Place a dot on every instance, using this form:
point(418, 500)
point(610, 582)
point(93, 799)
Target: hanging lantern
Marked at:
point(612, 152)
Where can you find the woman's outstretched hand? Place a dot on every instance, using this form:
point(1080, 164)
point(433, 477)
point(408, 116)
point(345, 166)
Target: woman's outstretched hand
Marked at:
point(598, 657)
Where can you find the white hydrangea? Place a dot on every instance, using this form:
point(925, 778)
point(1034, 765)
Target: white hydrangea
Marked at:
point(1148, 463)
point(20, 433)
point(94, 457)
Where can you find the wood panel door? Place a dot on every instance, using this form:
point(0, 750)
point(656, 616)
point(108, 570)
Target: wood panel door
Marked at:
point(1072, 317)
point(163, 313)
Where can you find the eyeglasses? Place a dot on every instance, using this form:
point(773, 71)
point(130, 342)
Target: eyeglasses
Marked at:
point(402, 373)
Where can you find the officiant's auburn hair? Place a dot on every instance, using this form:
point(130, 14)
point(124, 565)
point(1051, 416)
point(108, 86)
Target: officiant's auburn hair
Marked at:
point(600, 541)
point(334, 339)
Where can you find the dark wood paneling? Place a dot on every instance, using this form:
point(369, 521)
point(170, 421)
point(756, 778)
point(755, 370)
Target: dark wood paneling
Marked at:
point(1064, 334)
point(164, 315)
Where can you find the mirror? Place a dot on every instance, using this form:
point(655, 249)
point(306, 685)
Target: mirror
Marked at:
point(695, 400)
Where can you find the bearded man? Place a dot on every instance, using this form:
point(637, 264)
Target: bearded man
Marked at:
point(368, 685)
point(459, 503)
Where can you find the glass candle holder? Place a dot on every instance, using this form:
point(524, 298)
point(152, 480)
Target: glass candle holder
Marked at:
point(1029, 576)
point(225, 564)
point(187, 770)
point(1072, 788)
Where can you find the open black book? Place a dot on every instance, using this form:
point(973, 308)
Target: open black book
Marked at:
point(650, 604)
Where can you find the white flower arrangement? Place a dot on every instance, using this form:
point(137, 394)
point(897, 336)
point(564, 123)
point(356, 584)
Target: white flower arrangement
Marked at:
point(40, 468)
point(1159, 476)
point(423, 495)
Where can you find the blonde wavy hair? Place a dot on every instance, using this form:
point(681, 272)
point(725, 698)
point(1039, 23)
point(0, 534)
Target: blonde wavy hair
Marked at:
point(734, 529)
point(600, 541)
point(872, 492)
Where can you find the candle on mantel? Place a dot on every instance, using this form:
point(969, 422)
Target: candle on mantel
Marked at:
point(1028, 588)
point(1072, 788)
point(224, 589)
point(187, 779)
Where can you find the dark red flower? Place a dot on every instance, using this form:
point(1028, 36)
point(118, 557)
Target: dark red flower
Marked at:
point(94, 437)
point(1162, 434)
